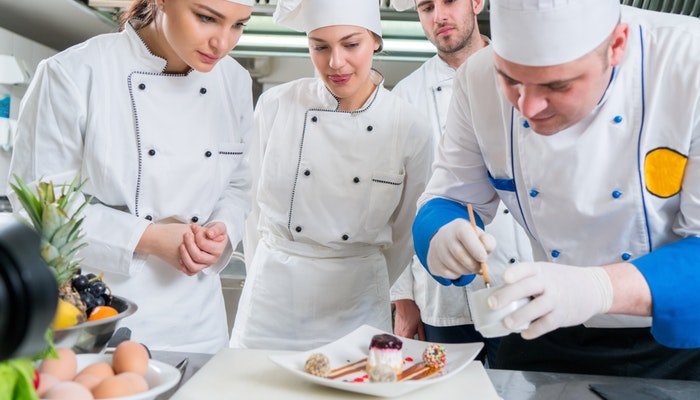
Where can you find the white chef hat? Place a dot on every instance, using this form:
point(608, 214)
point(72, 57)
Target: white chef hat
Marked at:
point(402, 5)
point(307, 15)
point(244, 2)
point(550, 32)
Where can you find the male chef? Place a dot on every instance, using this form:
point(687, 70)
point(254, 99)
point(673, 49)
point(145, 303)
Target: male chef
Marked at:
point(583, 117)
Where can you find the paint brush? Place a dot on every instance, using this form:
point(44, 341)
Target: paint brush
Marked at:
point(484, 269)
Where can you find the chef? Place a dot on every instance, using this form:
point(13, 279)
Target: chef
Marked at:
point(156, 119)
point(339, 163)
point(579, 119)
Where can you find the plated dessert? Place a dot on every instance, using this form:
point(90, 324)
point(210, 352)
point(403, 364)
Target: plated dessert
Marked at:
point(424, 364)
point(384, 363)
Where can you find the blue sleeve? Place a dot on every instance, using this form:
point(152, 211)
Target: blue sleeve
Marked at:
point(673, 275)
point(430, 218)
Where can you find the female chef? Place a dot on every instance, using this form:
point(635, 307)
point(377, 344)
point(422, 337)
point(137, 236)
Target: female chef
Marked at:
point(339, 163)
point(156, 120)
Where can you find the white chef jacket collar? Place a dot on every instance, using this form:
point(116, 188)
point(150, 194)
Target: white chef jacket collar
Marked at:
point(378, 79)
point(331, 102)
point(143, 53)
point(609, 88)
point(443, 69)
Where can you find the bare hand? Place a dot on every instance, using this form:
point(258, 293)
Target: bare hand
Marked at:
point(407, 322)
point(164, 241)
point(202, 246)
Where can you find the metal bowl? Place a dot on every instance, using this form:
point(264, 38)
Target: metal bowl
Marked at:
point(92, 336)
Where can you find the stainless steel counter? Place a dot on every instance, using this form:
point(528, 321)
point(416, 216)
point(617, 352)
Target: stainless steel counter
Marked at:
point(518, 385)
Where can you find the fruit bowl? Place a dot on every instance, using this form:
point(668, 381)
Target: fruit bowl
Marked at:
point(92, 336)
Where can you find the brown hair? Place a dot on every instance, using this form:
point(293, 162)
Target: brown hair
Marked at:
point(142, 11)
point(379, 40)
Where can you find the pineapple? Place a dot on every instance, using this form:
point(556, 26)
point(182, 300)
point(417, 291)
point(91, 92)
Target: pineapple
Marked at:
point(60, 233)
point(67, 293)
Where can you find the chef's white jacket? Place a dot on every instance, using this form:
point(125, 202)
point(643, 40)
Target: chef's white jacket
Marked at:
point(621, 185)
point(153, 148)
point(331, 221)
point(429, 88)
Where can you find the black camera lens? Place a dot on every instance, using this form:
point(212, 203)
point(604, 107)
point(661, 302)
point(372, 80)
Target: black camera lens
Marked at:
point(28, 293)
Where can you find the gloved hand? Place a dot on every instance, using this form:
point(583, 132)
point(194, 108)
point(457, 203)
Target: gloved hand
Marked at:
point(457, 250)
point(562, 296)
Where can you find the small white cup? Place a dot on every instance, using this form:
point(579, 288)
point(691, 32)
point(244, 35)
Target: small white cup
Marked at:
point(490, 322)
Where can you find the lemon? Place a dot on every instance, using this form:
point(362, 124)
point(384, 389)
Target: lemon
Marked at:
point(67, 315)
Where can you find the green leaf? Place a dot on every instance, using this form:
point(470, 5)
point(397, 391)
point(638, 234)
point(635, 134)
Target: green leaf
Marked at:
point(17, 379)
point(49, 252)
point(46, 192)
point(52, 219)
point(62, 235)
point(8, 379)
point(29, 201)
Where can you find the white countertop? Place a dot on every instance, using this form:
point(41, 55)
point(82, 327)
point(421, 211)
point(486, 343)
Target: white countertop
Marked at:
point(250, 374)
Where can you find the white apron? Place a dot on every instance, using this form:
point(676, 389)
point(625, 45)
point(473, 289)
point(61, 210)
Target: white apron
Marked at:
point(336, 200)
point(297, 298)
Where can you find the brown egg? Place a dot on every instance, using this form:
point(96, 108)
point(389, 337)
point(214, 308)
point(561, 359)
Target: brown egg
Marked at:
point(63, 367)
point(112, 387)
point(136, 382)
point(101, 370)
point(87, 380)
point(68, 391)
point(46, 382)
point(130, 356)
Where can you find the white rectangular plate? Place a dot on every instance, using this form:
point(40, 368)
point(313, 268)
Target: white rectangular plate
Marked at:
point(355, 346)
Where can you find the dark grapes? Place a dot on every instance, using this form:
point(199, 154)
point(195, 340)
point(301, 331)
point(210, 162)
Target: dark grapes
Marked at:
point(89, 301)
point(80, 283)
point(97, 288)
point(107, 299)
point(92, 290)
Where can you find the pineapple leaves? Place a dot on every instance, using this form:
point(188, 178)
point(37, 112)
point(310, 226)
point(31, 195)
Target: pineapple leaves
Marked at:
point(60, 233)
point(30, 203)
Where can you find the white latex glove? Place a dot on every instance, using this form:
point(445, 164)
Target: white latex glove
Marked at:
point(457, 250)
point(562, 296)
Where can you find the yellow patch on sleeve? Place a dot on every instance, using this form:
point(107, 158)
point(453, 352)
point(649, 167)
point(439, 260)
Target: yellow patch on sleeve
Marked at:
point(663, 171)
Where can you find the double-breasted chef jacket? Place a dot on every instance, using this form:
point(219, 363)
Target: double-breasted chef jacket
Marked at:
point(330, 226)
point(621, 185)
point(429, 88)
point(153, 148)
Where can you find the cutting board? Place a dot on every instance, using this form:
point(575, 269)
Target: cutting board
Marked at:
point(250, 374)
